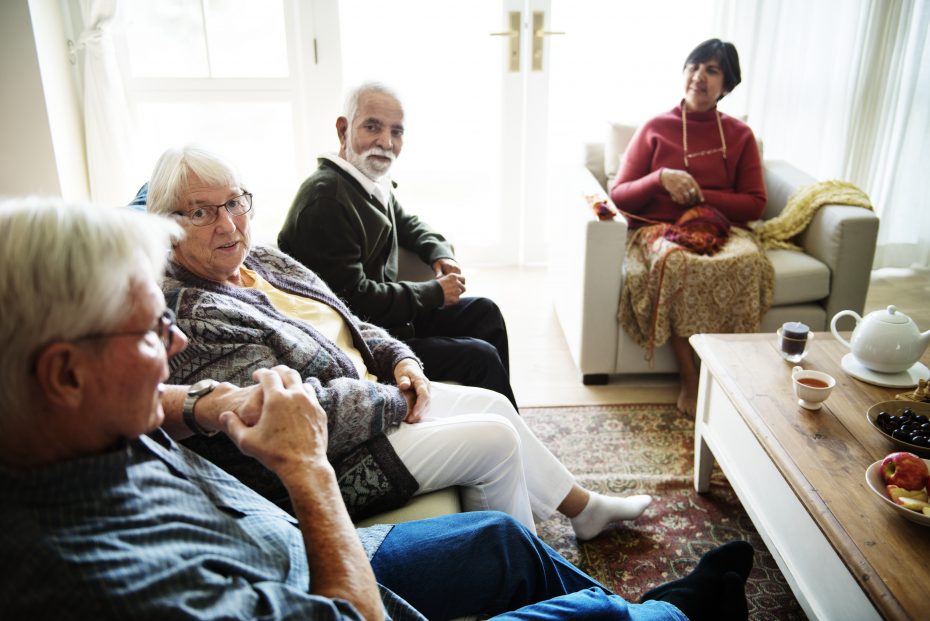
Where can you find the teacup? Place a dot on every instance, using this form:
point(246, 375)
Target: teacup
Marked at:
point(811, 387)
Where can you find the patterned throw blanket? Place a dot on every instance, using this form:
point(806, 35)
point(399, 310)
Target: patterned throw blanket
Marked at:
point(800, 210)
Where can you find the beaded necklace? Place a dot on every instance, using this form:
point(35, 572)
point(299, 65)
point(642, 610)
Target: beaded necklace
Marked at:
point(684, 137)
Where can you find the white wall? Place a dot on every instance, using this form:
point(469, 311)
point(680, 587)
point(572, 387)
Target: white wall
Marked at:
point(42, 147)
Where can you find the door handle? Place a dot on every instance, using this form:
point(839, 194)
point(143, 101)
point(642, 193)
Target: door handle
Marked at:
point(514, 35)
point(539, 31)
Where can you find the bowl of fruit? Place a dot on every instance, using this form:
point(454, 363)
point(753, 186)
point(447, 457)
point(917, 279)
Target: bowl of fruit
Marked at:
point(900, 480)
point(905, 423)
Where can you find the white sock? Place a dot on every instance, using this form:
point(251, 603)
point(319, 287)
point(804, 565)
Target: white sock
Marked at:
point(602, 510)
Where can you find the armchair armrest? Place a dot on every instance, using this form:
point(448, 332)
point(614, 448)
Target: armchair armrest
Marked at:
point(586, 272)
point(411, 267)
point(843, 237)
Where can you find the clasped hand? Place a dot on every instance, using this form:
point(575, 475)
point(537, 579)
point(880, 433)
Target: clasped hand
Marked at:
point(413, 384)
point(681, 186)
point(449, 274)
point(289, 432)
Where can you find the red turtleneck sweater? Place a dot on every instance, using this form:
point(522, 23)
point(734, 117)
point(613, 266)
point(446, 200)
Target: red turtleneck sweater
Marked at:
point(735, 186)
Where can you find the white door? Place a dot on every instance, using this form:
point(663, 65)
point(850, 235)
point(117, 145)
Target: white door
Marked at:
point(475, 114)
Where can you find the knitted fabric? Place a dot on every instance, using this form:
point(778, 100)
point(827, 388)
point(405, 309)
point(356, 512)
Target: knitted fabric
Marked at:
point(801, 208)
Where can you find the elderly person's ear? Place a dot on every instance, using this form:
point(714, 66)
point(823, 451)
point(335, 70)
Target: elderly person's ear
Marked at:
point(59, 375)
point(342, 125)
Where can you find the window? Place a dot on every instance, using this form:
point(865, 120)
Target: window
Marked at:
point(225, 74)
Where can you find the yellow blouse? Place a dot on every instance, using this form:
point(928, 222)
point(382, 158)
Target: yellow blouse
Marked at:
point(323, 318)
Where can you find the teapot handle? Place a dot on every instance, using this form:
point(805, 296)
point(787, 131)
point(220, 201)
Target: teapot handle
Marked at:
point(836, 317)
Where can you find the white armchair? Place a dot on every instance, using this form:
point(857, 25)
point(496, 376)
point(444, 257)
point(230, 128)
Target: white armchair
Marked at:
point(586, 269)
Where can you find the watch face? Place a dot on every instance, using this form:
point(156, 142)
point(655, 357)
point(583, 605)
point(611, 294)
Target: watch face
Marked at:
point(202, 387)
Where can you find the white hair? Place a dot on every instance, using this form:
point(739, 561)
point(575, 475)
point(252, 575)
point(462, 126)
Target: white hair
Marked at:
point(350, 108)
point(178, 168)
point(66, 271)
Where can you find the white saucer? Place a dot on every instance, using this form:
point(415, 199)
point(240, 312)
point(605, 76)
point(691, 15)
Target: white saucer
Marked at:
point(904, 379)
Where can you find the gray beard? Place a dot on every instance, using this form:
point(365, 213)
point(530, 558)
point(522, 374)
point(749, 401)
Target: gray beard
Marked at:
point(364, 165)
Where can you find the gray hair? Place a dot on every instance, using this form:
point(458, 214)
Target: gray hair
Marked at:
point(66, 271)
point(350, 108)
point(178, 168)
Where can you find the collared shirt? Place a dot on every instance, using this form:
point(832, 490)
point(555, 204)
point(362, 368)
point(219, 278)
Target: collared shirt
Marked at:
point(153, 531)
point(379, 189)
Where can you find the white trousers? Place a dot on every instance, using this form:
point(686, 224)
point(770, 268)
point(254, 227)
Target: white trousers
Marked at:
point(473, 438)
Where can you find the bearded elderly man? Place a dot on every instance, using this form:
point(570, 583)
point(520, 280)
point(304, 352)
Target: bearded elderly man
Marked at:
point(346, 225)
point(103, 516)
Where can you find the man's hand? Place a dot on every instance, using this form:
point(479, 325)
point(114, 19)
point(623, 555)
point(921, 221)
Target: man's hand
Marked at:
point(289, 438)
point(245, 402)
point(414, 386)
point(446, 266)
point(453, 286)
point(290, 433)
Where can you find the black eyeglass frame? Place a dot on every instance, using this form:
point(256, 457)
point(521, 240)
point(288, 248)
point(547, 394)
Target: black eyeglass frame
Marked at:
point(164, 330)
point(215, 210)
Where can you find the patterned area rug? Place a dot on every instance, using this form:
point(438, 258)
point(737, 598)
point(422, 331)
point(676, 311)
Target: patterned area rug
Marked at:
point(627, 449)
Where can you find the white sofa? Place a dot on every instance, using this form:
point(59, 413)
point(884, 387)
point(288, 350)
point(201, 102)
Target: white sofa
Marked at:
point(586, 267)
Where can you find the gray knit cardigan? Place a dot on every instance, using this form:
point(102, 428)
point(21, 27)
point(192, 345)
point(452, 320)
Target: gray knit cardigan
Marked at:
point(233, 331)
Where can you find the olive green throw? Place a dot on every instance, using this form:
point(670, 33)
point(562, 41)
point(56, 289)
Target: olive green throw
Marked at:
point(800, 210)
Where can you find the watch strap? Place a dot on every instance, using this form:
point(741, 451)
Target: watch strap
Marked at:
point(193, 395)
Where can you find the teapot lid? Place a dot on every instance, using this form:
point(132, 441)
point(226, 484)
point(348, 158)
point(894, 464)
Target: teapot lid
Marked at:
point(891, 315)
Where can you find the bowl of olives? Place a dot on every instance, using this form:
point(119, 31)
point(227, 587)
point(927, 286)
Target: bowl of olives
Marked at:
point(905, 423)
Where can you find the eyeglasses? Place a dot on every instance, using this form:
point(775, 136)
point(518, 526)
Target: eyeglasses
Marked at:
point(163, 329)
point(205, 215)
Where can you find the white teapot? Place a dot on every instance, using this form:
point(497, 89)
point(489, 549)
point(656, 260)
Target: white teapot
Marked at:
point(884, 340)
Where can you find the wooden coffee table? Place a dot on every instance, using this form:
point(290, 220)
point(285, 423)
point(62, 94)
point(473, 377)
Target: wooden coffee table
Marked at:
point(800, 475)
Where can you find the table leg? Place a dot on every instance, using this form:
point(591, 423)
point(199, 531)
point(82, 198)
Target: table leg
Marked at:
point(703, 458)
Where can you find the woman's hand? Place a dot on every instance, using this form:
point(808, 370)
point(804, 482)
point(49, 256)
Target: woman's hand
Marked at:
point(681, 186)
point(414, 386)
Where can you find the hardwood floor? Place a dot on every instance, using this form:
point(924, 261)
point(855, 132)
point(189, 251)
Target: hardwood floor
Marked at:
point(542, 372)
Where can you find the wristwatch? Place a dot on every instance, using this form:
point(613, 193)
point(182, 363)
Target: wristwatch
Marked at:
point(194, 393)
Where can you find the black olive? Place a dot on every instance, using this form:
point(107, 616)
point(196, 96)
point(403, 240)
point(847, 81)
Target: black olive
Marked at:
point(920, 418)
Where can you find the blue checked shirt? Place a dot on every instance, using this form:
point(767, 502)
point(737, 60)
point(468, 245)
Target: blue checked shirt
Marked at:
point(153, 531)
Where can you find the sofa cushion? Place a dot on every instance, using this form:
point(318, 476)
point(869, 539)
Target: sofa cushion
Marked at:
point(441, 502)
point(615, 144)
point(799, 277)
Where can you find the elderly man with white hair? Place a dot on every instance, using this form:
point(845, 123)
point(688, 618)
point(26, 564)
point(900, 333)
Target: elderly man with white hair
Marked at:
point(103, 516)
point(347, 225)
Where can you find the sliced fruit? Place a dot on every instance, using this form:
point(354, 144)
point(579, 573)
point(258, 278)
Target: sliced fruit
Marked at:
point(896, 493)
point(913, 505)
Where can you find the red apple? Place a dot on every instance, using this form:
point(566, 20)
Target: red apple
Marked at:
point(905, 470)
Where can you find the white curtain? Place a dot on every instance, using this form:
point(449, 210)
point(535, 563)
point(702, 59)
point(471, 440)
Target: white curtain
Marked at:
point(106, 113)
point(841, 88)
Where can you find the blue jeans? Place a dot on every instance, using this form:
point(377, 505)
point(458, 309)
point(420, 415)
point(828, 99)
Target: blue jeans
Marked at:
point(488, 563)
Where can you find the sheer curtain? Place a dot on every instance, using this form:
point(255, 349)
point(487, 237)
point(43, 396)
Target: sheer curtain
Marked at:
point(106, 114)
point(841, 88)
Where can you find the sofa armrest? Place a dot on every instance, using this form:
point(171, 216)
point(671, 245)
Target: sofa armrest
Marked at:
point(586, 272)
point(843, 237)
point(411, 267)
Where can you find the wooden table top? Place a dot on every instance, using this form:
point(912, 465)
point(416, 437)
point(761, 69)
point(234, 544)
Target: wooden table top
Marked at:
point(823, 456)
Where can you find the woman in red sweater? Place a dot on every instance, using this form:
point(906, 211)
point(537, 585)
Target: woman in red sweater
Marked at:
point(693, 155)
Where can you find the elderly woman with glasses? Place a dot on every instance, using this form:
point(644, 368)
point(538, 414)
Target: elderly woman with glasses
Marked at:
point(392, 433)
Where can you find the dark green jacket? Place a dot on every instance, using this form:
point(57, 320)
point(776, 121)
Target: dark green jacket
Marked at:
point(345, 235)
